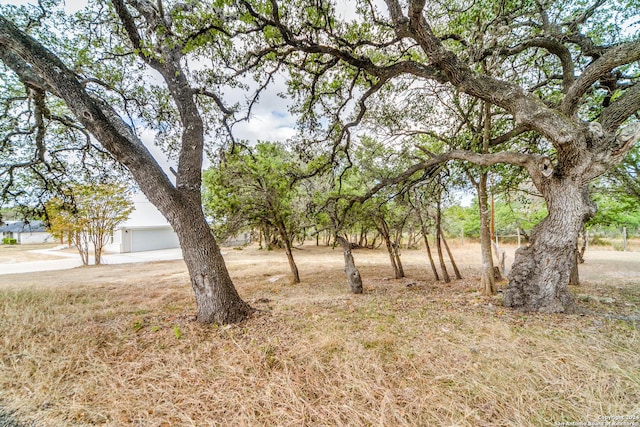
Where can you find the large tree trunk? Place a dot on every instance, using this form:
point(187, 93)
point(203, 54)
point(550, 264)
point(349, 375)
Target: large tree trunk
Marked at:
point(216, 298)
point(353, 275)
point(540, 275)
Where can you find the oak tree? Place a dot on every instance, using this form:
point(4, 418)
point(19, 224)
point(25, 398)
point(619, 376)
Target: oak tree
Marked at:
point(255, 187)
point(568, 75)
point(106, 66)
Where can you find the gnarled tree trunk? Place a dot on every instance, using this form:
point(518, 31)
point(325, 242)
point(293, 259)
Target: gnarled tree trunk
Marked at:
point(353, 275)
point(540, 274)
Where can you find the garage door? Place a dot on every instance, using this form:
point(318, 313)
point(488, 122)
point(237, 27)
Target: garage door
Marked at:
point(151, 240)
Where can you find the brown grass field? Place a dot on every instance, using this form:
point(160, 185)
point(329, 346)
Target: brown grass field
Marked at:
point(116, 345)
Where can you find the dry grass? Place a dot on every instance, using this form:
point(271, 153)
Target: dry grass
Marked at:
point(116, 346)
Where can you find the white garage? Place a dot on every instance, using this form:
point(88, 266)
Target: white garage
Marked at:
point(140, 239)
point(145, 230)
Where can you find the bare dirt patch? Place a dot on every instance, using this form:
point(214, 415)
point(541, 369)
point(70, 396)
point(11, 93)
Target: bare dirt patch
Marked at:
point(116, 346)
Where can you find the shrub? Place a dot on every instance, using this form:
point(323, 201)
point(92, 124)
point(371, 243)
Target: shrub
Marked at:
point(9, 241)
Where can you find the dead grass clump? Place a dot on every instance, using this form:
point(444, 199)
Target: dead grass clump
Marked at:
point(123, 350)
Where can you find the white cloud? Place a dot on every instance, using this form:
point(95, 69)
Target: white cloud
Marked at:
point(270, 119)
point(266, 126)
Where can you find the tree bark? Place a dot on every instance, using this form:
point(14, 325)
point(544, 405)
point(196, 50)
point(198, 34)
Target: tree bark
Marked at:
point(574, 277)
point(487, 272)
point(396, 254)
point(431, 262)
point(423, 230)
point(443, 266)
point(216, 298)
point(540, 275)
point(486, 228)
point(453, 261)
point(584, 234)
point(383, 228)
point(97, 255)
point(353, 275)
point(288, 250)
point(397, 246)
point(81, 241)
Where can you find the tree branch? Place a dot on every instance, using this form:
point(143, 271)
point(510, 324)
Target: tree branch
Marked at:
point(132, 31)
point(518, 130)
point(24, 71)
point(100, 119)
point(551, 45)
point(615, 56)
point(621, 109)
point(538, 166)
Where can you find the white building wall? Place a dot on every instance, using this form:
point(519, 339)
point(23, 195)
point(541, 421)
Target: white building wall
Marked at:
point(38, 237)
point(145, 230)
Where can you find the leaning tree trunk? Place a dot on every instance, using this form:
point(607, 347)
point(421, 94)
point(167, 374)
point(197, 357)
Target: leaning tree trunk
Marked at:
point(286, 239)
point(451, 259)
point(180, 203)
point(423, 230)
point(431, 262)
point(541, 271)
point(216, 298)
point(353, 275)
point(384, 231)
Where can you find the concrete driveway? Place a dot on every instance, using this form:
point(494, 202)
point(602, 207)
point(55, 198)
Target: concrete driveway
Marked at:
point(71, 260)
